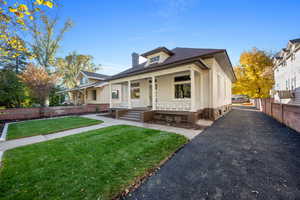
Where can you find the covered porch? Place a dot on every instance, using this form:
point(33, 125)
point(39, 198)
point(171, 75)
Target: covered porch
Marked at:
point(176, 89)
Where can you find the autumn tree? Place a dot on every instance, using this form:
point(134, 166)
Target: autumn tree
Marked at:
point(14, 17)
point(253, 74)
point(40, 82)
point(70, 66)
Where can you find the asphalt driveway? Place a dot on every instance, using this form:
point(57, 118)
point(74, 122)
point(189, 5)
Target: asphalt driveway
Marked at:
point(244, 155)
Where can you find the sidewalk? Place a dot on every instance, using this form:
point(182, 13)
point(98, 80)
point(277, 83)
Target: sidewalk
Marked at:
point(10, 144)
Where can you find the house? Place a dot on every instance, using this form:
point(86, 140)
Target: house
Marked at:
point(92, 89)
point(182, 85)
point(287, 74)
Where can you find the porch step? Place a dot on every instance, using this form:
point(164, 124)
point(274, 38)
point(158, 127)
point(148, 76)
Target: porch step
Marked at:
point(133, 115)
point(130, 118)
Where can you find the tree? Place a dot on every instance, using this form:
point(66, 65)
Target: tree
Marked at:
point(16, 60)
point(45, 42)
point(40, 82)
point(70, 66)
point(12, 90)
point(253, 74)
point(14, 16)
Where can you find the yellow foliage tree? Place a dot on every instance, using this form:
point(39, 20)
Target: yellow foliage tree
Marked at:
point(13, 17)
point(254, 74)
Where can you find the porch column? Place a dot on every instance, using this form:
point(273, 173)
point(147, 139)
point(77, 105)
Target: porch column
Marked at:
point(84, 97)
point(129, 95)
point(153, 93)
point(193, 91)
point(110, 93)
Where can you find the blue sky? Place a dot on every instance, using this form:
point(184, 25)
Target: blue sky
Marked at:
point(111, 30)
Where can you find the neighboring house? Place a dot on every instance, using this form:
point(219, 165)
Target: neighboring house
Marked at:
point(239, 99)
point(287, 74)
point(92, 89)
point(182, 84)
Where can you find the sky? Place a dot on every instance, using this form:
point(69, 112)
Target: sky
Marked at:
point(111, 30)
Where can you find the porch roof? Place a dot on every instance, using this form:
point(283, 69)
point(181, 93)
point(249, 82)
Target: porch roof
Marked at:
point(97, 84)
point(180, 56)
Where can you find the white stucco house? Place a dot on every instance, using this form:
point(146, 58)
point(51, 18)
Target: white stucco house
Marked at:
point(287, 74)
point(178, 85)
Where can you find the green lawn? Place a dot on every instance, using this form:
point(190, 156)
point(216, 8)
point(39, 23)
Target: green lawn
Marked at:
point(42, 127)
point(98, 164)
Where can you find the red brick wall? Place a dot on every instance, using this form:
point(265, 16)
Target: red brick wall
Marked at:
point(29, 113)
point(284, 113)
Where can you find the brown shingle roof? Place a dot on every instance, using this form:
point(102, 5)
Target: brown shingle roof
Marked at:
point(180, 55)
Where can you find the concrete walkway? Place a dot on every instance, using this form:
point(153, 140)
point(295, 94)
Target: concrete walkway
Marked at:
point(245, 155)
point(10, 144)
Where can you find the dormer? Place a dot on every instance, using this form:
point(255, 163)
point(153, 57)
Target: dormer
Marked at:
point(157, 55)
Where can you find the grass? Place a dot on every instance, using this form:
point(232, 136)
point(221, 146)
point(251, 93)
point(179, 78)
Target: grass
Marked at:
point(98, 164)
point(42, 127)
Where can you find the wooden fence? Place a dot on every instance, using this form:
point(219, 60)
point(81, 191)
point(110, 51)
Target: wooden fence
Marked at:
point(284, 113)
point(31, 113)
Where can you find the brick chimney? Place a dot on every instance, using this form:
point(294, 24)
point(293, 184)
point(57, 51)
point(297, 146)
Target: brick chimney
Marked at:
point(135, 59)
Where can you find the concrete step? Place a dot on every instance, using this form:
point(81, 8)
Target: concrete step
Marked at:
point(130, 118)
point(132, 114)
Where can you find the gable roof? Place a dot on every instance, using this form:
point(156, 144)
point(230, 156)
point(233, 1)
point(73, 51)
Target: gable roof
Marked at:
point(180, 56)
point(95, 75)
point(157, 50)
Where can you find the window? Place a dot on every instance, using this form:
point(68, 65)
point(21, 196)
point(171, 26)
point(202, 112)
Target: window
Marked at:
point(182, 91)
point(115, 94)
point(94, 95)
point(182, 87)
point(154, 59)
point(135, 90)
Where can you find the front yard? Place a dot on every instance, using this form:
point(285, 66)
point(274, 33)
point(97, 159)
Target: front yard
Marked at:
point(47, 126)
point(98, 164)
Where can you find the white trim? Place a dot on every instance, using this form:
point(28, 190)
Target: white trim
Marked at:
point(153, 93)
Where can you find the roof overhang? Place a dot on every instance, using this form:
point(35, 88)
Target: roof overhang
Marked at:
point(157, 50)
point(197, 61)
point(96, 85)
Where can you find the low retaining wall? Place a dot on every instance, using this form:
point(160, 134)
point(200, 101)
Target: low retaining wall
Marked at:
point(284, 113)
point(31, 113)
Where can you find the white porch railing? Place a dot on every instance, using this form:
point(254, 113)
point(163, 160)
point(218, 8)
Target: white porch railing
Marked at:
point(184, 105)
point(120, 105)
point(174, 105)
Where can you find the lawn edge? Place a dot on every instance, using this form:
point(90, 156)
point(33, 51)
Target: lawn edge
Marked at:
point(100, 122)
point(138, 181)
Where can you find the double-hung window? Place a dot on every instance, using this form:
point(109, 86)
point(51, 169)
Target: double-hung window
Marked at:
point(182, 87)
